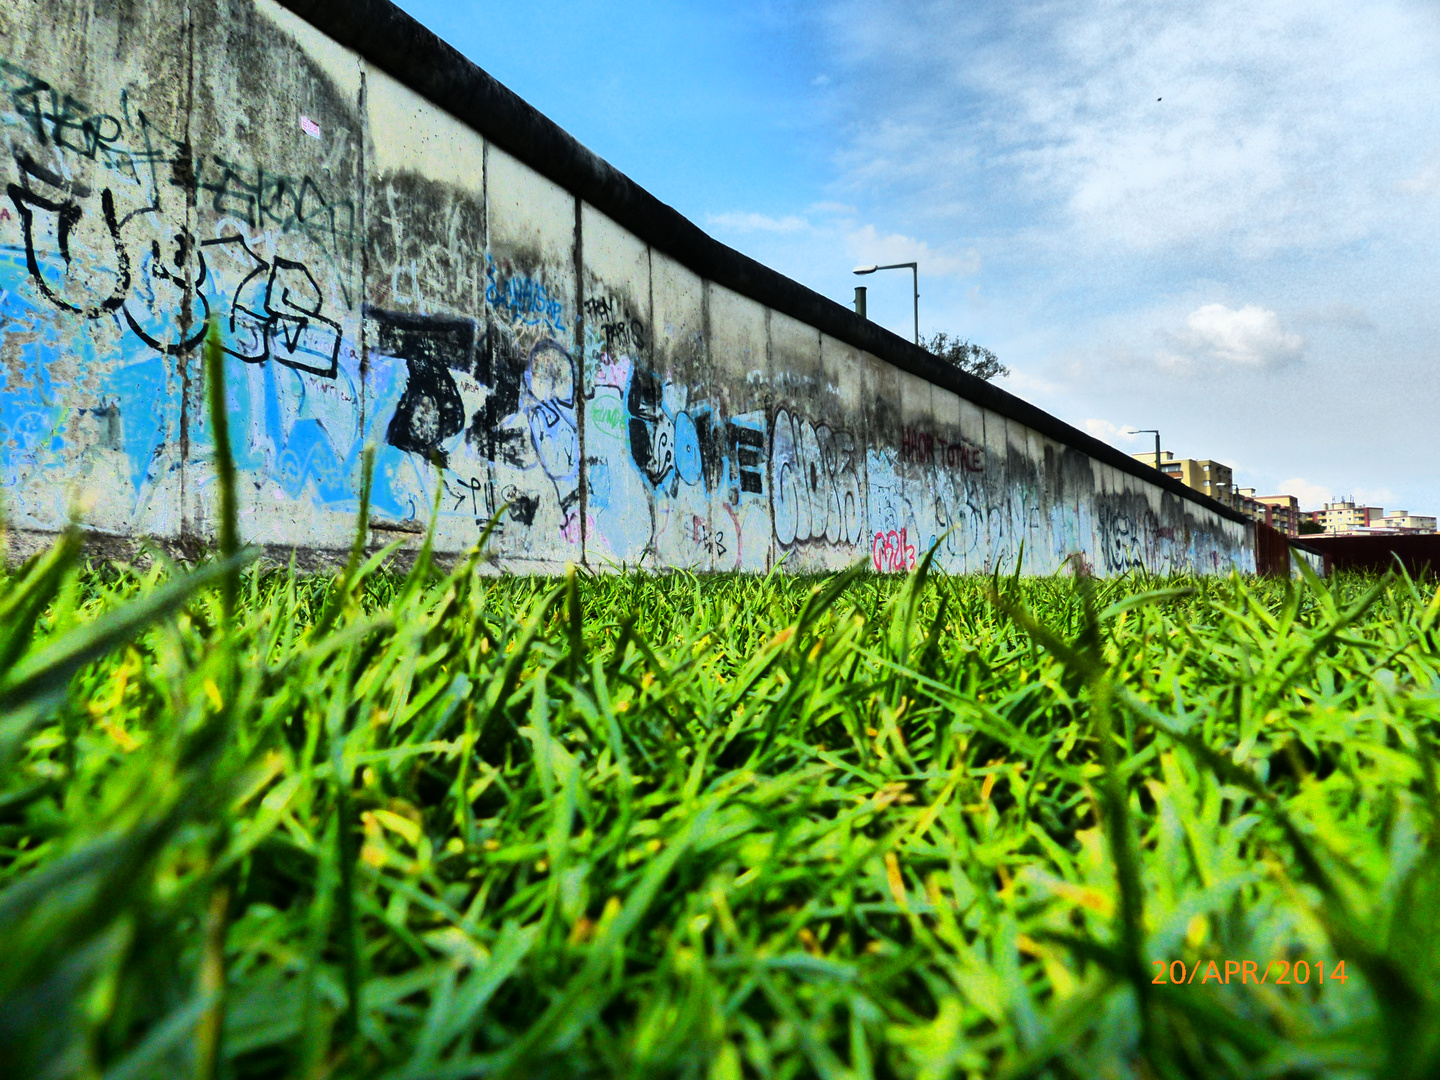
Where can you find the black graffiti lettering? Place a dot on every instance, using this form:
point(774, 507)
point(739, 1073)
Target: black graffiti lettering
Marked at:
point(621, 331)
point(169, 282)
point(430, 409)
point(68, 215)
point(285, 324)
point(472, 488)
point(652, 433)
point(523, 509)
point(1121, 542)
point(191, 327)
point(300, 337)
point(268, 200)
point(69, 118)
point(53, 116)
point(61, 121)
point(28, 167)
point(183, 344)
point(748, 448)
point(712, 542)
point(816, 492)
point(500, 365)
point(232, 196)
point(230, 259)
point(710, 438)
point(139, 164)
point(441, 340)
point(25, 100)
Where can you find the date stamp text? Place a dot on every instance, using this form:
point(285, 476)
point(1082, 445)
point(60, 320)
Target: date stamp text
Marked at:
point(1247, 972)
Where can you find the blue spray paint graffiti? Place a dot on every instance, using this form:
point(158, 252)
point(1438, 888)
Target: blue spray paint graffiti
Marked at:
point(119, 240)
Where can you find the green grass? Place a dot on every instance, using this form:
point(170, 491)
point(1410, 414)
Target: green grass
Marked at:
point(451, 825)
point(256, 824)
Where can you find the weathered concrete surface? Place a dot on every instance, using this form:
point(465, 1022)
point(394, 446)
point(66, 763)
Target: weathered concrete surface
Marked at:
point(384, 272)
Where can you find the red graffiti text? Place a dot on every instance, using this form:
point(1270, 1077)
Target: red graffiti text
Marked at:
point(891, 553)
point(926, 448)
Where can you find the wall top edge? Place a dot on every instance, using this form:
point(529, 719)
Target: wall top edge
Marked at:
point(403, 48)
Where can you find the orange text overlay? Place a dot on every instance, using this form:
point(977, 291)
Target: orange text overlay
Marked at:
point(1246, 972)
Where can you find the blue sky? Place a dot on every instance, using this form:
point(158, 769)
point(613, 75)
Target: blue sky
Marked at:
point(1220, 219)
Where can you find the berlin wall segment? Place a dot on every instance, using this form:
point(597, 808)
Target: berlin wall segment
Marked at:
point(381, 272)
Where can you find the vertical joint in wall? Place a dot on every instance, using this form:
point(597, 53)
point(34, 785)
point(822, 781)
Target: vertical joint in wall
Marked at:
point(581, 390)
point(191, 225)
point(364, 212)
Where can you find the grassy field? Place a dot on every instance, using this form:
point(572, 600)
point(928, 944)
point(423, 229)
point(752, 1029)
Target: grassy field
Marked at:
point(444, 825)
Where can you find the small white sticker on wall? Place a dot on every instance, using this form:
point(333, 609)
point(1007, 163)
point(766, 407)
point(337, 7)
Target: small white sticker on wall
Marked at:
point(310, 127)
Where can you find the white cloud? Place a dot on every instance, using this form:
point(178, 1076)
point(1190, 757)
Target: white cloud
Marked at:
point(1425, 182)
point(1311, 496)
point(1111, 433)
point(1025, 384)
point(1275, 205)
point(865, 244)
point(820, 80)
point(1175, 363)
point(745, 222)
point(1216, 125)
point(1250, 336)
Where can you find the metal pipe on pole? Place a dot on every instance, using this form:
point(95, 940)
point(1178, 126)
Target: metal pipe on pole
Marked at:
point(1149, 431)
point(914, 269)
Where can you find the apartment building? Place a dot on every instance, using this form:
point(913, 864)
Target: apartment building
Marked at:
point(1209, 477)
point(1406, 522)
point(1248, 504)
point(1344, 516)
point(1281, 512)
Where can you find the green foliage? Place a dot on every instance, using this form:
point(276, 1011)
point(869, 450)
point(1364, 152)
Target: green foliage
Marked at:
point(254, 824)
point(967, 356)
point(451, 825)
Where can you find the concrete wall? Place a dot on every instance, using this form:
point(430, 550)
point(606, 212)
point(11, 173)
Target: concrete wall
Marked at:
point(385, 273)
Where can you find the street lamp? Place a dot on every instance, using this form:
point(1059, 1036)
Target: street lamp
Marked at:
point(1148, 431)
point(915, 272)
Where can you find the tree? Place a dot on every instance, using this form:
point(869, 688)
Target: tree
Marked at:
point(967, 356)
point(1311, 528)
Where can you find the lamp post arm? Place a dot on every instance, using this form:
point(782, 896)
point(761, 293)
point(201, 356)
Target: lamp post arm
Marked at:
point(1149, 431)
point(914, 269)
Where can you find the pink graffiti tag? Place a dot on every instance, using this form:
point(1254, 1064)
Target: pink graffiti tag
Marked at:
point(571, 529)
point(735, 520)
point(614, 371)
point(890, 552)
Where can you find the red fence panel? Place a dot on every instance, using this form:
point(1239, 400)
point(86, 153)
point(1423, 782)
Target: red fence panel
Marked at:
point(1420, 553)
point(1272, 551)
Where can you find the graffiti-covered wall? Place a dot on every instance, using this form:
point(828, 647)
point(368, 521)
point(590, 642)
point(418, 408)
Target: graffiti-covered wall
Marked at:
point(517, 328)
